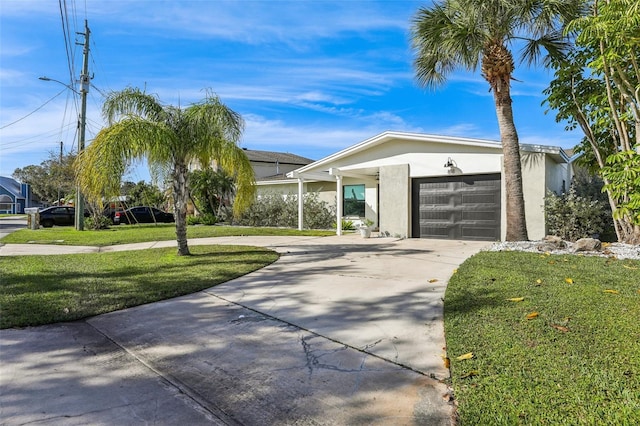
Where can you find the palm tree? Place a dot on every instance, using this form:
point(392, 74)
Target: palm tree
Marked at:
point(468, 33)
point(171, 139)
point(211, 188)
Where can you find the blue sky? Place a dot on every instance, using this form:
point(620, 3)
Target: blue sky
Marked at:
point(308, 77)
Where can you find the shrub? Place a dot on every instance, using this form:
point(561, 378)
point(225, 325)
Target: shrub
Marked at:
point(282, 211)
point(572, 216)
point(208, 219)
point(194, 220)
point(205, 219)
point(96, 222)
point(347, 225)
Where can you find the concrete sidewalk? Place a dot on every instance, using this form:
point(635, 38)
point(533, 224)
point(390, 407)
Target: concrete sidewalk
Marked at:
point(340, 330)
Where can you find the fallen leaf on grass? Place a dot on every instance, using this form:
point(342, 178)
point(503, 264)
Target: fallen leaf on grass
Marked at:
point(568, 280)
point(470, 374)
point(629, 267)
point(447, 362)
point(465, 356)
point(516, 299)
point(611, 291)
point(532, 315)
point(560, 328)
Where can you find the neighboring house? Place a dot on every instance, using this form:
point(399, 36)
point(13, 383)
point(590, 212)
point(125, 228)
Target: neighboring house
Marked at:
point(274, 165)
point(425, 186)
point(14, 196)
point(267, 165)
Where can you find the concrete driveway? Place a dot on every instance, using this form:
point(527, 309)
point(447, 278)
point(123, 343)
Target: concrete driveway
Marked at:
point(340, 330)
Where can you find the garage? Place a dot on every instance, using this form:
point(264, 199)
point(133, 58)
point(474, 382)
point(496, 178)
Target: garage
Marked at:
point(456, 207)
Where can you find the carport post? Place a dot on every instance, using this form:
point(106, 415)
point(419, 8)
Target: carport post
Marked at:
point(338, 205)
point(300, 203)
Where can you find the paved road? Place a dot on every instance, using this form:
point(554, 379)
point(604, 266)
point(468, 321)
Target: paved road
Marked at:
point(11, 224)
point(340, 330)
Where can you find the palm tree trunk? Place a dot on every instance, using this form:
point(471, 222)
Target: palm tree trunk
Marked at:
point(180, 198)
point(516, 220)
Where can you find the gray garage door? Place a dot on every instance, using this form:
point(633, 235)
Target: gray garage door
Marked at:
point(456, 207)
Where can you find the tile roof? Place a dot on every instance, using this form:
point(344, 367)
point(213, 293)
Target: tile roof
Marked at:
point(272, 157)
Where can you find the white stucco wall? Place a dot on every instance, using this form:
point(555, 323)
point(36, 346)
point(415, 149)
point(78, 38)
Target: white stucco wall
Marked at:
point(533, 182)
point(425, 159)
point(396, 161)
point(558, 176)
point(395, 200)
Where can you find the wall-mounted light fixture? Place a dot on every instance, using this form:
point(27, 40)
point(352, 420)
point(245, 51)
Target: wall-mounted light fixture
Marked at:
point(452, 166)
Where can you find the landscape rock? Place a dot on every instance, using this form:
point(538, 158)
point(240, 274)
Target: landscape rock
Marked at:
point(551, 243)
point(587, 244)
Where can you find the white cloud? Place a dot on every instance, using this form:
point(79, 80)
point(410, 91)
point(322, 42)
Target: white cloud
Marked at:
point(258, 22)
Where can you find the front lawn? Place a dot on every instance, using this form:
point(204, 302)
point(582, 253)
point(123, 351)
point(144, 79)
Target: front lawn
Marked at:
point(555, 340)
point(39, 290)
point(124, 234)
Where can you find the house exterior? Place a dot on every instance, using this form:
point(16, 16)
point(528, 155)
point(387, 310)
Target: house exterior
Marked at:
point(270, 165)
point(14, 196)
point(425, 186)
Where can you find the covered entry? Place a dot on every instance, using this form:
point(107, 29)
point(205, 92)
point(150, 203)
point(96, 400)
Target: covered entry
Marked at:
point(456, 207)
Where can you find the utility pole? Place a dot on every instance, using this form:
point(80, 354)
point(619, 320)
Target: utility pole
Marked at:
point(85, 81)
point(59, 174)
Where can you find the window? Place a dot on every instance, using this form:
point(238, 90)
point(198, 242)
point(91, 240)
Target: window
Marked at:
point(353, 202)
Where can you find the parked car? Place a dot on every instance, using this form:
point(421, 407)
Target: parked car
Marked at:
point(59, 216)
point(110, 212)
point(142, 214)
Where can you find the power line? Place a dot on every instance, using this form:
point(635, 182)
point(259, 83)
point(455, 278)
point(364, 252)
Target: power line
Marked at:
point(49, 134)
point(64, 16)
point(34, 111)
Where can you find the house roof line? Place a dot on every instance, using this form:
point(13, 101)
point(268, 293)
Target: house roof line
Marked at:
point(275, 156)
point(387, 135)
point(13, 186)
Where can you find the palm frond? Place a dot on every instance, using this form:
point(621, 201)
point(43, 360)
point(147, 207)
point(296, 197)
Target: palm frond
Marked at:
point(132, 102)
point(103, 162)
point(233, 160)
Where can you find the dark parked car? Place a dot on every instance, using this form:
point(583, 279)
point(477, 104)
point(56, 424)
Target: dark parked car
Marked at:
point(58, 215)
point(142, 214)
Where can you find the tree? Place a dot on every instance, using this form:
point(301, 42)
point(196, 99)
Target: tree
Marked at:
point(51, 180)
point(171, 139)
point(211, 189)
point(468, 33)
point(144, 194)
point(596, 89)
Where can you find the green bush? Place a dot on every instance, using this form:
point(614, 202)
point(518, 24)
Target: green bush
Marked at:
point(96, 222)
point(282, 211)
point(347, 225)
point(572, 216)
point(209, 219)
point(194, 220)
point(205, 219)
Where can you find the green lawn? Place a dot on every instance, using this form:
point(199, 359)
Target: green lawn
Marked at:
point(39, 290)
point(577, 362)
point(123, 234)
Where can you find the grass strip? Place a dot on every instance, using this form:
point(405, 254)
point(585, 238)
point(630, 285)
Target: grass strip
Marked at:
point(125, 234)
point(568, 353)
point(38, 290)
